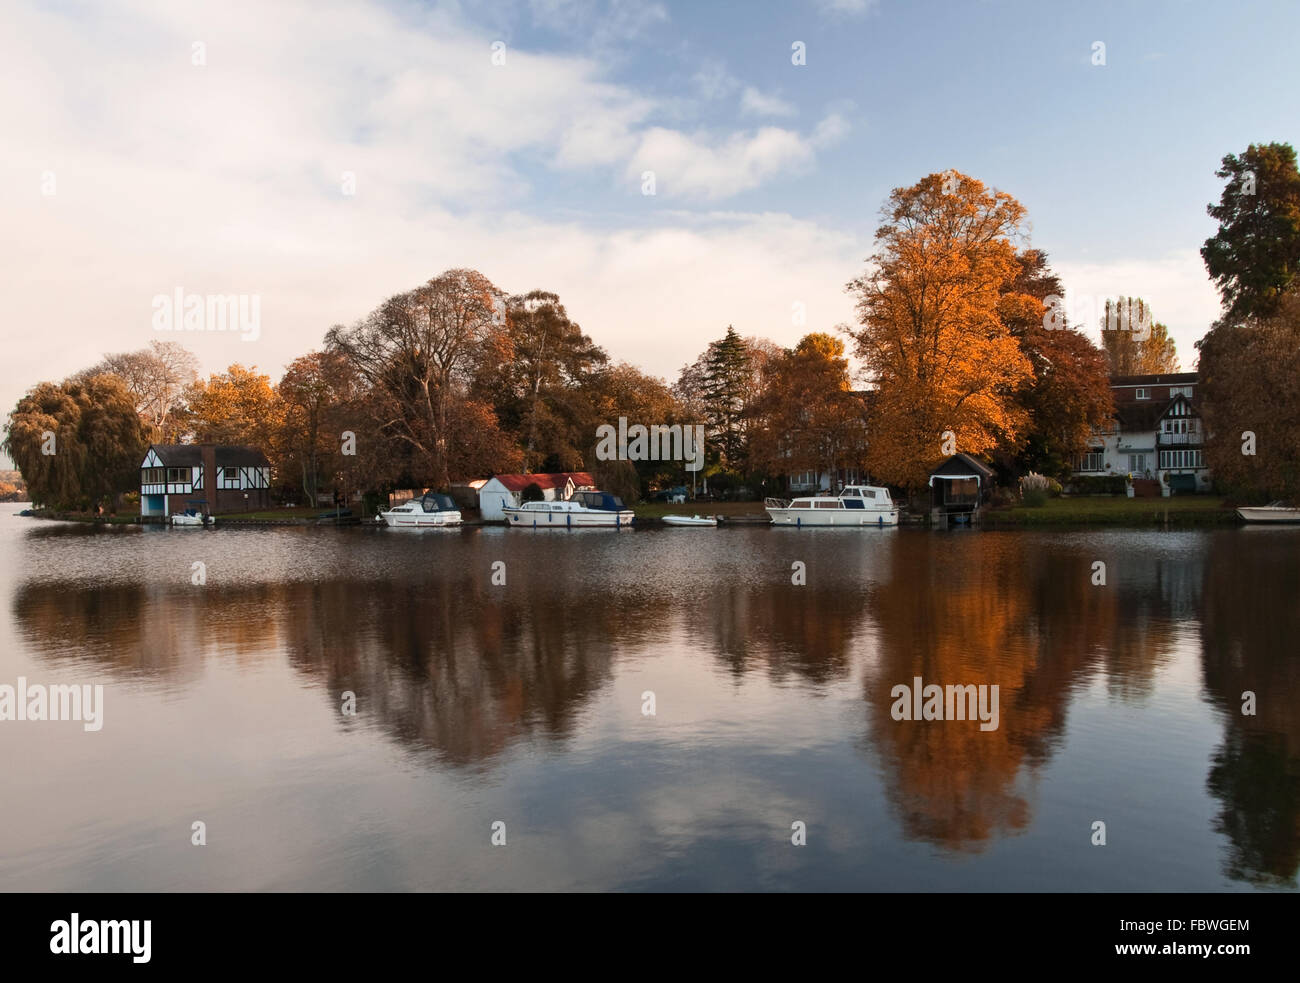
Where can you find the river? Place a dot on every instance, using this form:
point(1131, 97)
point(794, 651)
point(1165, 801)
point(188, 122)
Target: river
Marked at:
point(652, 709)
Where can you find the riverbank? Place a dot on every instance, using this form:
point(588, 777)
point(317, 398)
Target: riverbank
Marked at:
point(1190, 510)
point(1185, 510)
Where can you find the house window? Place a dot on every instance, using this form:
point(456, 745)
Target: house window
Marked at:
point(1180, 391)
point(178, 476)
point(1094, 460)
point(1144, 394)
point(1137, 463)
point(230, 477)
point(1182, 459)
point(154, 476)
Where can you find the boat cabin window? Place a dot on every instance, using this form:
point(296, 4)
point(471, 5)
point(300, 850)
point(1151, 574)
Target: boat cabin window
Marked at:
point(800, 505)
point(870, 493)
point(598, 500)
point(832, 504)
point(854, 503)
point(436, 502)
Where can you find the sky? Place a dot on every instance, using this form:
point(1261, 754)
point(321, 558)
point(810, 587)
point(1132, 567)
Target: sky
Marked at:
point(321, 156)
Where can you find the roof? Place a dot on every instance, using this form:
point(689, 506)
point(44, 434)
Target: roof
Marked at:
point(177, 455)
point(518, 482)
point(238, 456)
point(1140, 416)
point(961, 466)
point(191, 455)
point(1169, 379)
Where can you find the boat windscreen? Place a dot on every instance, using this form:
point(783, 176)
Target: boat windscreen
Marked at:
point(436, 502)
point(599, 500)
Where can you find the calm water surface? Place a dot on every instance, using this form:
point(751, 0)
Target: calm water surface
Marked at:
point(523, 704)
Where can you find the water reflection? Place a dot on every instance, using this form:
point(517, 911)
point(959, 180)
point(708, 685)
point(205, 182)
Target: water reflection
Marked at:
point(987, 610)
point(1249, 635)
point(452, 669)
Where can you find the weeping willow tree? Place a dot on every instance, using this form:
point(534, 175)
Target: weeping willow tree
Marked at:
point(78, 442)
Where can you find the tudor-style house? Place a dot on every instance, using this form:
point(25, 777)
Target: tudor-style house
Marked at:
point(212, 478)
point(1156, 433)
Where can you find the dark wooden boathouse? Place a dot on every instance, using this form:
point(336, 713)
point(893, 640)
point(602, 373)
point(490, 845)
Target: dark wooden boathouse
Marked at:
point(959, 486)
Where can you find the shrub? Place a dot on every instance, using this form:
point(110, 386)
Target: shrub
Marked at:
point(1110, 484)
point(1002, 498)
point(1034, 498)
point(1034, 489)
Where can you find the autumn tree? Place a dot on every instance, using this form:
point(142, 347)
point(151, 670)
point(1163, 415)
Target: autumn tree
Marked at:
point(809, 418)
point(156, 377)
point(1068, 396)
point(1134, 341)
point(932, 338)
point(238, 406)
point(624, 390)
point(1255, 254)
point(78, 442)
point(1251, 402)
point(417, 353)
point(315, 391)
point(533, 374)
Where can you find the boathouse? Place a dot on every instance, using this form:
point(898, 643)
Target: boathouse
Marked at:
point(507, 490)
point(958, 487)
point(216, 478)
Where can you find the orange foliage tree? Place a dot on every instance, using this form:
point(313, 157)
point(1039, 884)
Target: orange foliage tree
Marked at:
point(808, 418)
point(932, 338)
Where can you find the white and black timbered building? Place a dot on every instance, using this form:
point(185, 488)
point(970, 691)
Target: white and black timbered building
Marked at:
point(213, 478)
point(1156, 432)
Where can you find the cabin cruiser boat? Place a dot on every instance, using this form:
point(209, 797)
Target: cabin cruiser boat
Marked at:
point(856, 505)
point(1273, 512)
point(430, 510)
point(585, 508)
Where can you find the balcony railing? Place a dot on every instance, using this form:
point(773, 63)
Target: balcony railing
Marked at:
point(1180, 439)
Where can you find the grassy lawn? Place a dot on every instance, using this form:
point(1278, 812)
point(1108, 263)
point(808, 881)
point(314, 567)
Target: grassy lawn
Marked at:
point(297, 512)
point(1121, 510)
point(657, 510)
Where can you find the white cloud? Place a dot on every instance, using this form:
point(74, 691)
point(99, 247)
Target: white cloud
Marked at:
point(226, 178)
point(851, 7)
point(714, 81)
point(755, 103)
point(697, 166)
point(831, 130)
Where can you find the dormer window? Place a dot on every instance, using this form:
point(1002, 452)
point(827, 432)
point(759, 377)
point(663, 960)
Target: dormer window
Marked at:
point(1144, 394)
point(1180, 391)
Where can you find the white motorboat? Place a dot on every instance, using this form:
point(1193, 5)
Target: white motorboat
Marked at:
point(429, 511)
point(584, 509)
point(696, 520)
point(1273, 512)
point(855, 506)
point(194, 516)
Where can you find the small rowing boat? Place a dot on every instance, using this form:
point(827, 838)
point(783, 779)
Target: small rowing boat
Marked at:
point(694, 520)
point(1273, 512)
